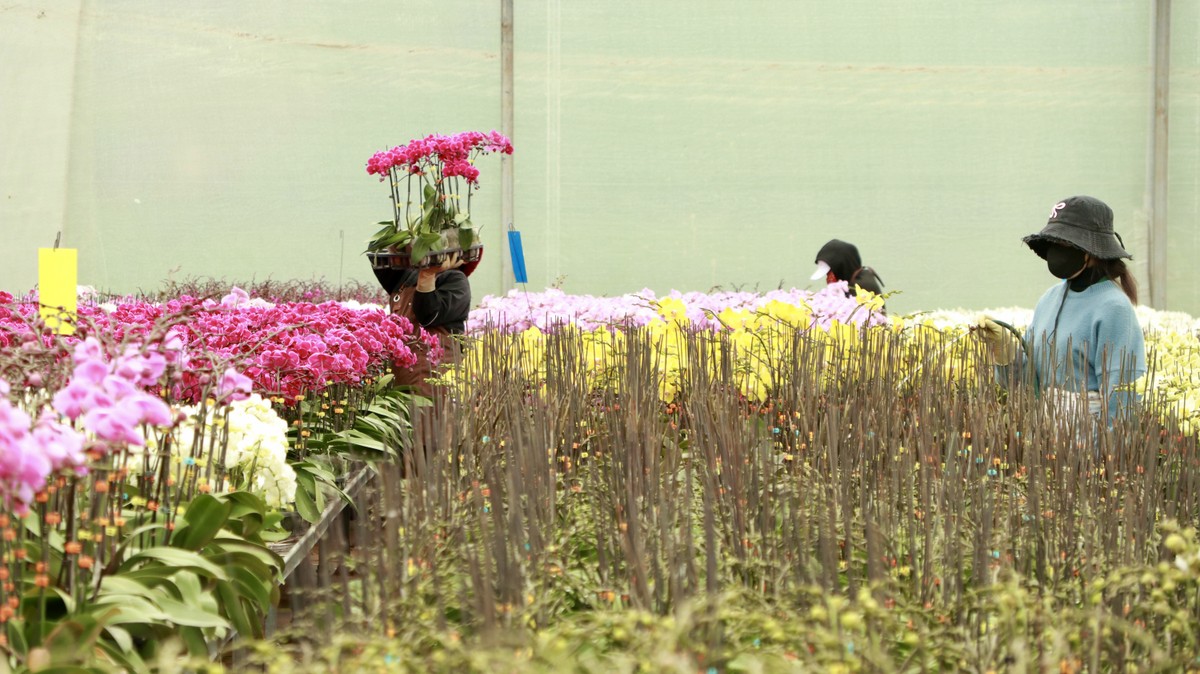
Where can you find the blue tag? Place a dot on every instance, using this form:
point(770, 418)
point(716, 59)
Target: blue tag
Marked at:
point(518, 256)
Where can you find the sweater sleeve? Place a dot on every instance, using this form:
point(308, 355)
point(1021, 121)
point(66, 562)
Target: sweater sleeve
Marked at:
point(1022, 370)
point(1119, 357)
point(449, 303)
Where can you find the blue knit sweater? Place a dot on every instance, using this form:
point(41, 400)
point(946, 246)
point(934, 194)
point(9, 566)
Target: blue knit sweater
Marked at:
point(1097, 346)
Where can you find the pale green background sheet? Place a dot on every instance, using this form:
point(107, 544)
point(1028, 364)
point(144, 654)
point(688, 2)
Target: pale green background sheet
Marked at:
point(671, 144)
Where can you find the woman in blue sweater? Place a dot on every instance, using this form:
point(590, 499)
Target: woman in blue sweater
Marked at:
point(1085, 340)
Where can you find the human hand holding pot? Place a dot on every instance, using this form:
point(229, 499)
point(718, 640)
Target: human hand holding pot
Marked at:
point(427, 276)
point(1001, 344)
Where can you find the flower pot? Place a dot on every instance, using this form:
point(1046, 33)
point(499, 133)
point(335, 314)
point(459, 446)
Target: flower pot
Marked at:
point(451, 242)
point(402, 258)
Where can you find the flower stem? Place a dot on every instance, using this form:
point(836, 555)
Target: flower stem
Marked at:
point(407, 204)
point(395, 196)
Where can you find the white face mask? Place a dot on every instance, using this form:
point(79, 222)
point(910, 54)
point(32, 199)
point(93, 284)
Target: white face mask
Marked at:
point(821, 272)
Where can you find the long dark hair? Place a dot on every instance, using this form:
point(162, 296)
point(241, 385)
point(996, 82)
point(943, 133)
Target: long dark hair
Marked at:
point(1118, 272)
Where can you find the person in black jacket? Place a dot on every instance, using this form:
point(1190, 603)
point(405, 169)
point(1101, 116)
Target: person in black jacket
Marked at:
point(437, 298)
point(432, 297)
point(840, 261)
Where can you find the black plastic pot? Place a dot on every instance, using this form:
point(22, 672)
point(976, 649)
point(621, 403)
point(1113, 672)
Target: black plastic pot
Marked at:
point(402, 259)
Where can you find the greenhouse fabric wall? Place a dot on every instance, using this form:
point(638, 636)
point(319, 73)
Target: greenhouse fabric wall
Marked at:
point(1183, 274)
point(668, 144)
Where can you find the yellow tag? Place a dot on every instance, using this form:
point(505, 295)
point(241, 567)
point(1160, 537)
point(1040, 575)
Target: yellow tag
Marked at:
point(57, 276)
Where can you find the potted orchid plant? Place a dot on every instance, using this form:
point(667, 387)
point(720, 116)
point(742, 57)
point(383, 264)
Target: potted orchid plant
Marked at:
point(431, 181)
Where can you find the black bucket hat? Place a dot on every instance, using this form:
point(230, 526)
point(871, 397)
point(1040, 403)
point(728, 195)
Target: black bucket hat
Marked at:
point(1083, 222)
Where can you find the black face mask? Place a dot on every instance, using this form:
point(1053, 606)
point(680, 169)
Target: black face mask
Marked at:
point(1064, 261)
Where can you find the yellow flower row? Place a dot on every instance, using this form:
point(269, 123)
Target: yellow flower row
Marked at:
point(756, 348)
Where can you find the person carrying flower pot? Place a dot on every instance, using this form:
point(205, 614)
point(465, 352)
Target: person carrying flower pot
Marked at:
point(437, 298)
point(839, 261)
point(1085, 341)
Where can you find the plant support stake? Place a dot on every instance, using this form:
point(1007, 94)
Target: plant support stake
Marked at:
point(506, 125)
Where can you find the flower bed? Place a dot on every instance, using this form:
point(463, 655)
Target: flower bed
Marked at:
point(147, 459)
point(1172, 385)
point(286, 349)
point(551, 309)
point(883, 506)
point(151, 454)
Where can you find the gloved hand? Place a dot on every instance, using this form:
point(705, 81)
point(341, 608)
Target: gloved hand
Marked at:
point(427, 276)
point(1001, 344)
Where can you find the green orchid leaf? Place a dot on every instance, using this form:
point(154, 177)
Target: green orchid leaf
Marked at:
point(250, 525)
point(249, 553)
point(355, 439)
point(57, 600)
point(69, 641)
point(309, 502)
point(384, 243)
point(121, 636)
point(398, 239)
point(419, 250)
point(123, 586)
point(127, 658)
point(119, 609)
point(314, 468)
point(193, 638)
point(466, 237)
point(322, 477)
point(387, 231)
point(252, 587)
point(188, 586)
point(244, 502)
point(16, 637)
point(138, 534)
point(231, 602)
point(257, 570)
point(176, 558)
point(181, 613)
point(248, 515)
point(152, 576)
point(375, 427)
point(205, 517)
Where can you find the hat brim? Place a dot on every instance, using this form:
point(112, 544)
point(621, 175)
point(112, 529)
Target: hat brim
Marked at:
point(1100, 245)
